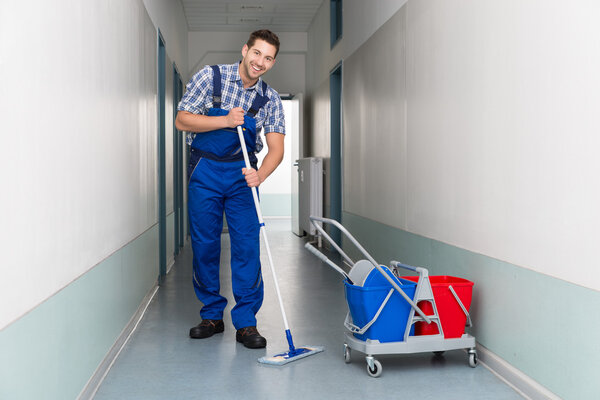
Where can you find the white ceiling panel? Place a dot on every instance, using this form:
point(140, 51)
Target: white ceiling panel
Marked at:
point(232, 16)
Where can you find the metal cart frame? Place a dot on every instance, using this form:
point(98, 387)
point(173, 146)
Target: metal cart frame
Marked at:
point(435, 343)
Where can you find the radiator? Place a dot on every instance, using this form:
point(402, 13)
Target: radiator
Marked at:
point(310, 192)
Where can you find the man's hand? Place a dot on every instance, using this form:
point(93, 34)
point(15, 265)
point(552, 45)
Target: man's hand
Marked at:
point(235, 117)
point(252, 177)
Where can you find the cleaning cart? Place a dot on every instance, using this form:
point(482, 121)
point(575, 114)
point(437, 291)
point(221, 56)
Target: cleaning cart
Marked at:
point(394, 314)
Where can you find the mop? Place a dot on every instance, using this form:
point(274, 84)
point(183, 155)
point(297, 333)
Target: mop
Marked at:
point(293, 353)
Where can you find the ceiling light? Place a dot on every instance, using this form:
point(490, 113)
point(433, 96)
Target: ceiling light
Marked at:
point(251, 8)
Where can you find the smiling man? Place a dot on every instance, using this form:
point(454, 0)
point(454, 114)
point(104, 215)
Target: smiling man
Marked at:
point(218, 99)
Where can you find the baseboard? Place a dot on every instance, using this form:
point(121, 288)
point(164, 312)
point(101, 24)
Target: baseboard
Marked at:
point(513, 377)
point(171, 264)
point(95, 381)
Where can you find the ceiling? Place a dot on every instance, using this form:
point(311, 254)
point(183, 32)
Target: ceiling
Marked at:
point(245, 16)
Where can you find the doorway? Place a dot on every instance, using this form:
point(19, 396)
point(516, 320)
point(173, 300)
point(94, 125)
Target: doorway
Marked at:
point(276, 192)
point(335, 169)
point(177, 165)
point(162, 182)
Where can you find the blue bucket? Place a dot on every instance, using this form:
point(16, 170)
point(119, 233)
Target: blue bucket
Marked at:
point(364, 301)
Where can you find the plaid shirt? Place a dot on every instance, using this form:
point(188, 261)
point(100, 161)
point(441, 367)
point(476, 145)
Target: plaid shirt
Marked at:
point(198, 99)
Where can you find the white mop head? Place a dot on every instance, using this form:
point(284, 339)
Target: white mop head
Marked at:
point(284, 358)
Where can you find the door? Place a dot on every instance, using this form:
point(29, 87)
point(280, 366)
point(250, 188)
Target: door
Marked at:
point(297, 153)
point(162, 198)
point(335, 173)
point(177, 166)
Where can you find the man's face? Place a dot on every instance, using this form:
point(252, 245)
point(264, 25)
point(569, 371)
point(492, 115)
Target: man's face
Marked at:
point(257, 59)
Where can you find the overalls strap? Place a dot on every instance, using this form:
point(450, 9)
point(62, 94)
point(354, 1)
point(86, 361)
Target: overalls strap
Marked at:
point(259, 101)
point(216, 86)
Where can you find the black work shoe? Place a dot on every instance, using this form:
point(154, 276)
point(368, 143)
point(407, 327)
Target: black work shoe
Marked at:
point(250, 337)
point(207, 328)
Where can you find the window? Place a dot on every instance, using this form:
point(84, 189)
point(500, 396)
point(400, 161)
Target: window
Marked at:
point(336, 21)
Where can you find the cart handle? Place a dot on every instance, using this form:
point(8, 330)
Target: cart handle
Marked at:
point(333, 243)
point(345, 232)
point(420, 270)
point(326, 260)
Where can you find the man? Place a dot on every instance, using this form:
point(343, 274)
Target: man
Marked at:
point(218, 99)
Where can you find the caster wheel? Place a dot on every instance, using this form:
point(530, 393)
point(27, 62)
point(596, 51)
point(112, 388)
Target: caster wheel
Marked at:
point(376, 371)
point(347, 354)
point(472, 359)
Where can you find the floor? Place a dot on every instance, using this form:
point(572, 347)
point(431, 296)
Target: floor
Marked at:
point(160, 361)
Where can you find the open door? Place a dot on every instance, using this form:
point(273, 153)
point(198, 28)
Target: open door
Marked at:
point(335, 173)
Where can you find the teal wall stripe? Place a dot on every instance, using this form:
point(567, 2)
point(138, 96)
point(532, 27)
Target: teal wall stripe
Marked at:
point(276, 205)
point(51, 352)
point(546, 327)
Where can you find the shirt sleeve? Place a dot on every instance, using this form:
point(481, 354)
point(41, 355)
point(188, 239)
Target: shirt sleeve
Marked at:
point(198, 90)
point(275, 121)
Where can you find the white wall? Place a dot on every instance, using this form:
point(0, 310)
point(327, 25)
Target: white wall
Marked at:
point(362, 18)
point(288, 74)
point(320, 61)
point(321, 58)
point(500, 126)
point(169, 17)
point(472, 124)
point(503, 133)
point(374, 121)
point(78, 146)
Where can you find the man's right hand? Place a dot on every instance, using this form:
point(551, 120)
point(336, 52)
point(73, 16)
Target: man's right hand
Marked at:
point(186, 121)
point(235, 117)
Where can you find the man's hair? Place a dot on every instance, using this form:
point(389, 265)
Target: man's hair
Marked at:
point(267, 36)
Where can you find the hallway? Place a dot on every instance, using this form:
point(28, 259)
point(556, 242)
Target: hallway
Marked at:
point(160, 361)
point(457, 135)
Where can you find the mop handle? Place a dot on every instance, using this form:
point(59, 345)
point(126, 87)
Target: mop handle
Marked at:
point(262, 227)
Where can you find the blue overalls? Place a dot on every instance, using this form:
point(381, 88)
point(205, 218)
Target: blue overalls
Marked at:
point(216, 184)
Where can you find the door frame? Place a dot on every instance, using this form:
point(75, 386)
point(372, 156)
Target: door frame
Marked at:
point(335, 161)
point(177, 165)
point(162, 181)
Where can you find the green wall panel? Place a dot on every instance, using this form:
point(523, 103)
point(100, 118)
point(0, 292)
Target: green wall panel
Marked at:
point(52, 351)
point(276, 205)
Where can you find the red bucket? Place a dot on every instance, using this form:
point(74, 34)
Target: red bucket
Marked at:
point(451, 314)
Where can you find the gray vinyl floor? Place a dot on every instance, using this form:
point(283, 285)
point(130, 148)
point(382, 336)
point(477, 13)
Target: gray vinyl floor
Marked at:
point(160, 361)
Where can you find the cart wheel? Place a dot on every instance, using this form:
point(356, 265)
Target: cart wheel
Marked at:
point(377, 369)
point(438, 353)
point(472, 359)
point(347, 354)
